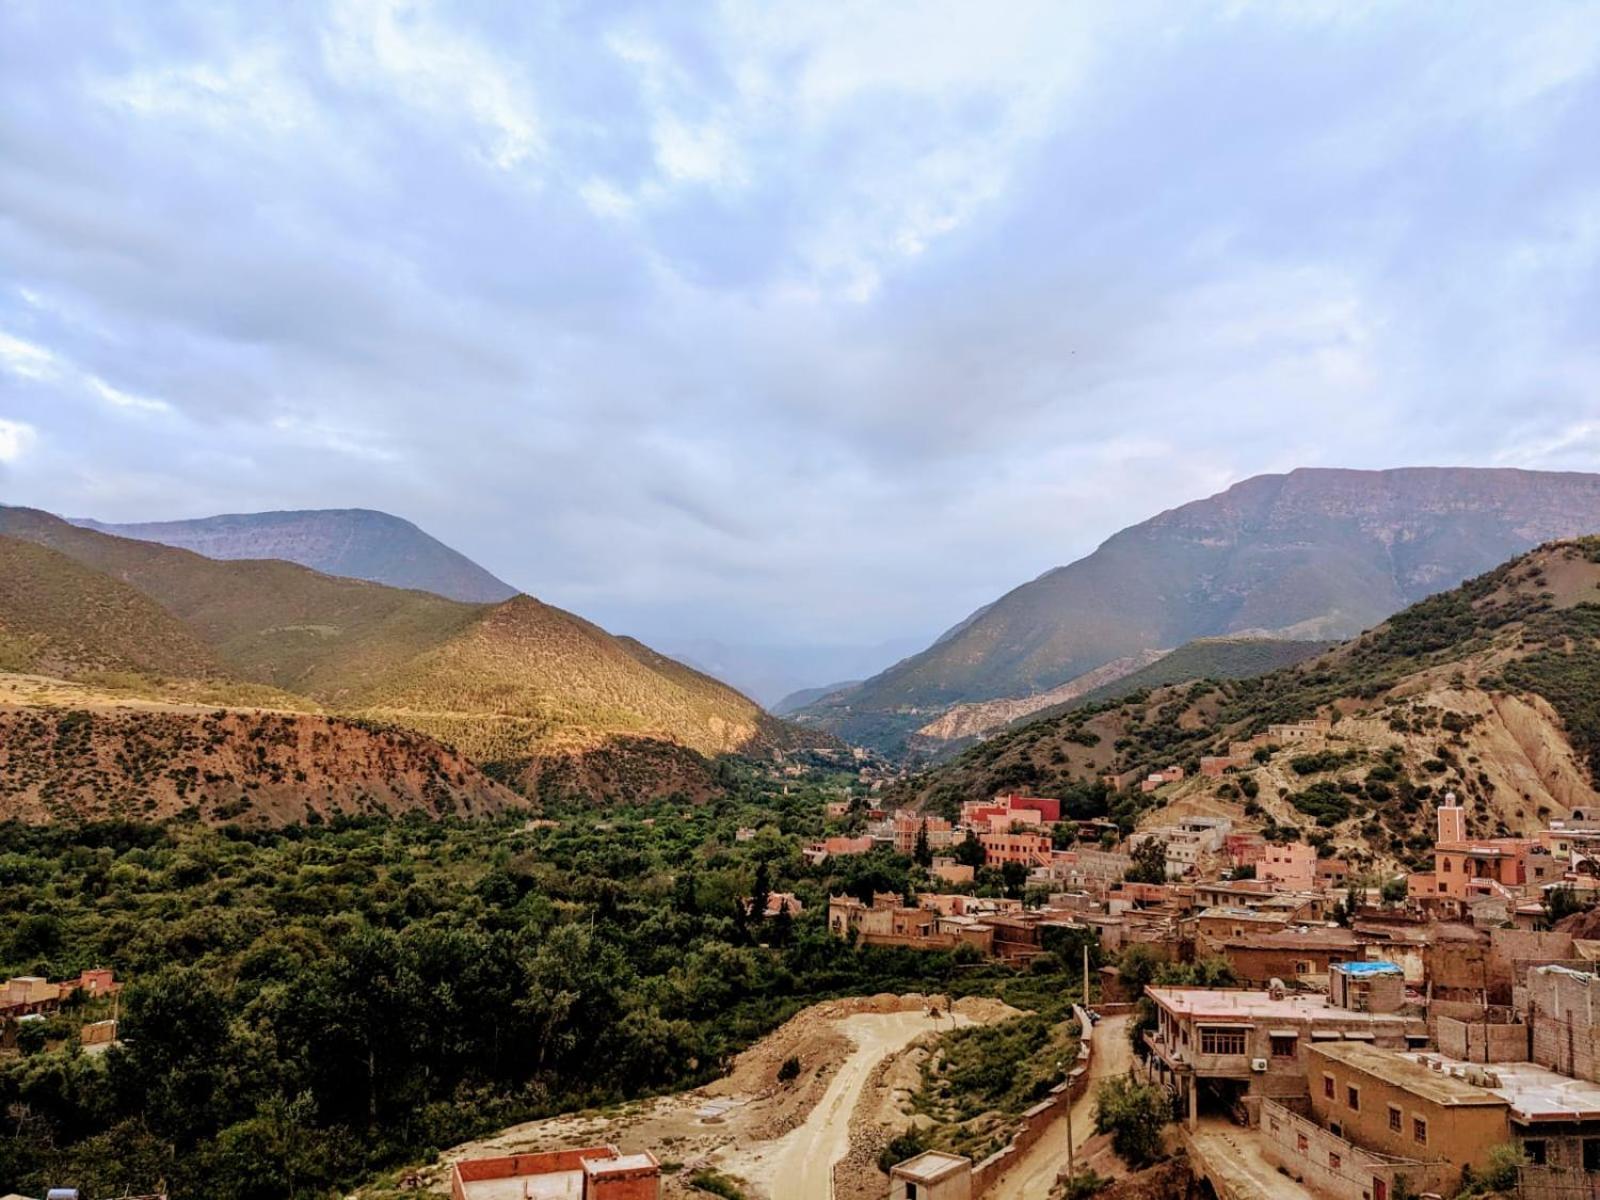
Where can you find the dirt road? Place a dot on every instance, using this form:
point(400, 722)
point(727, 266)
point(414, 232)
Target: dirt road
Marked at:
point(799, 1165)
point(1034, 1176)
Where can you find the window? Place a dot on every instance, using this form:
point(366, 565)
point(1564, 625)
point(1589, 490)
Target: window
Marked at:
point(1334, 1162)
point(1352, 1099)
point(1302, 968)
point(1222, 1041)
point(1284, 1047)
point(1591, 1154)
point(1447, 867)
point(1537, 1154)
point(1394, 1119)
point(1419, 1131)
point(1276, 1128)
point(1327, 1086)
point(1300, 1143)
point(911, 1190)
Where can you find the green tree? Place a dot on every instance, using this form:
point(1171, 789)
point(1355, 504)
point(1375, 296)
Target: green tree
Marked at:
point(1133, 1114)
point(1149, 862)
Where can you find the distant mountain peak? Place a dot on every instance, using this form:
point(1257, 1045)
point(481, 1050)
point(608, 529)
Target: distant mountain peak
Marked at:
point(358, 543)
point(1317, 553)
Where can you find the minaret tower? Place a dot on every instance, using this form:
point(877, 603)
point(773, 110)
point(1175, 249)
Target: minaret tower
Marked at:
point(1452, 820)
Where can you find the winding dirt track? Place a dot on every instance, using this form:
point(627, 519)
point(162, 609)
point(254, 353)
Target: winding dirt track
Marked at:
point(799, 1165)
point(1035, 1174)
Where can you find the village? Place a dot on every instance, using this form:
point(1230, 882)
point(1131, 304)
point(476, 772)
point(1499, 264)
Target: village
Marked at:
point(1380, 1039)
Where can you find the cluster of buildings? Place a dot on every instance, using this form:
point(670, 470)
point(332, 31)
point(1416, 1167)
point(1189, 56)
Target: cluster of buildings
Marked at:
point(1369, 1091)
point(1011, 828)
point(29, 998)
point(996, 927)
point(1379, 1057)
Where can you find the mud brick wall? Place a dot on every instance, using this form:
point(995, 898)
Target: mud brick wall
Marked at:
point(1562, 1006)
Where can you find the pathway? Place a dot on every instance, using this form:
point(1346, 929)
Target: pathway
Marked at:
point(1035, 1173)
point(799, 1165)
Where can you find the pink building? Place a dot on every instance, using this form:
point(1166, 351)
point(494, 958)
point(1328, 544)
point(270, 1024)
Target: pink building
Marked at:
point(1244, 849)
point(1029, 849)
point(1291, 866)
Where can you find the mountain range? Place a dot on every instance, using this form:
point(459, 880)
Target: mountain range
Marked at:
point(1312, 554)
point(357, 543)
point(1487, 690)
point(523, 690)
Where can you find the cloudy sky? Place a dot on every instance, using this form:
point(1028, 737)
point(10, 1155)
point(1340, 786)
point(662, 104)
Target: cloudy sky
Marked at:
point(790, 323)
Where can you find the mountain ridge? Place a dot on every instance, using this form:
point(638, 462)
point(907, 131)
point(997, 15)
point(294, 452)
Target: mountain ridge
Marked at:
point(356, 543)
point(1313, 554)
point(1487, 690)
point(520, 687)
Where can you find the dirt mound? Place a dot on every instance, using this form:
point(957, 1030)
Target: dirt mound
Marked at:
point(1583, 925)
point(1170, 1180)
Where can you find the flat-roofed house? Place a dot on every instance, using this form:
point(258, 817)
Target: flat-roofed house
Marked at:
point(1288, 954)
point(1243, 1047)
point(590, 1173)
point(1378, 1117)
point(933, 1175)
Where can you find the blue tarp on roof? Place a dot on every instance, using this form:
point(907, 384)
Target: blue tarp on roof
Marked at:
point(1369, 968)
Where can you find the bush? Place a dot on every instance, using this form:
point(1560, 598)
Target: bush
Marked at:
point(789, 1070)
point(718, 1184)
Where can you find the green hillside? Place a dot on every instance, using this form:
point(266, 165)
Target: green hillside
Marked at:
point(1530, 628)
point(509, 684)
point(59, 618)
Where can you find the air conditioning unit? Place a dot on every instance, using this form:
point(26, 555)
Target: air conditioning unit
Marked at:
point(1258, 1064)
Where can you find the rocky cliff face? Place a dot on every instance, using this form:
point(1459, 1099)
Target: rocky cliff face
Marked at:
point(1310, 554)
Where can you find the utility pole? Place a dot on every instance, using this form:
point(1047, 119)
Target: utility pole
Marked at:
point(1072, 1168)
point(1086, 974)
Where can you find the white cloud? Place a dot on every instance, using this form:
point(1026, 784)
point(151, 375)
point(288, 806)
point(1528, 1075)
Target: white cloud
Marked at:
point(429, 65)
point(16, 439)
point(26, 360)
point(254, 89)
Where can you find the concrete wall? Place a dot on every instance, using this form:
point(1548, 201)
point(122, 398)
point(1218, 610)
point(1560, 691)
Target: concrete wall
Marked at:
point(1477, 1041)
point(1333, 1167)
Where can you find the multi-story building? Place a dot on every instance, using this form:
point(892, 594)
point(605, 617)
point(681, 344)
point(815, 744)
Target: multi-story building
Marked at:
point(1289, 865)
point(909, 827)
point(1379, 1120)
point(1238, 1048)
point(1028, 849)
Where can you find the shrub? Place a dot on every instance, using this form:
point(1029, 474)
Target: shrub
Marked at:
point(789, 1070)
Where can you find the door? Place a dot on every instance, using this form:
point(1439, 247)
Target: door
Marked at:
point(1380, 1189)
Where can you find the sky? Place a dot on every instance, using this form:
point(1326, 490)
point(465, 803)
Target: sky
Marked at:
point(789, 324)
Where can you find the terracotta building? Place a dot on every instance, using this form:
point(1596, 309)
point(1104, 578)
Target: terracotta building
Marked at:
point(1028, 849)
point(591, 1173)
point(1288, 954)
